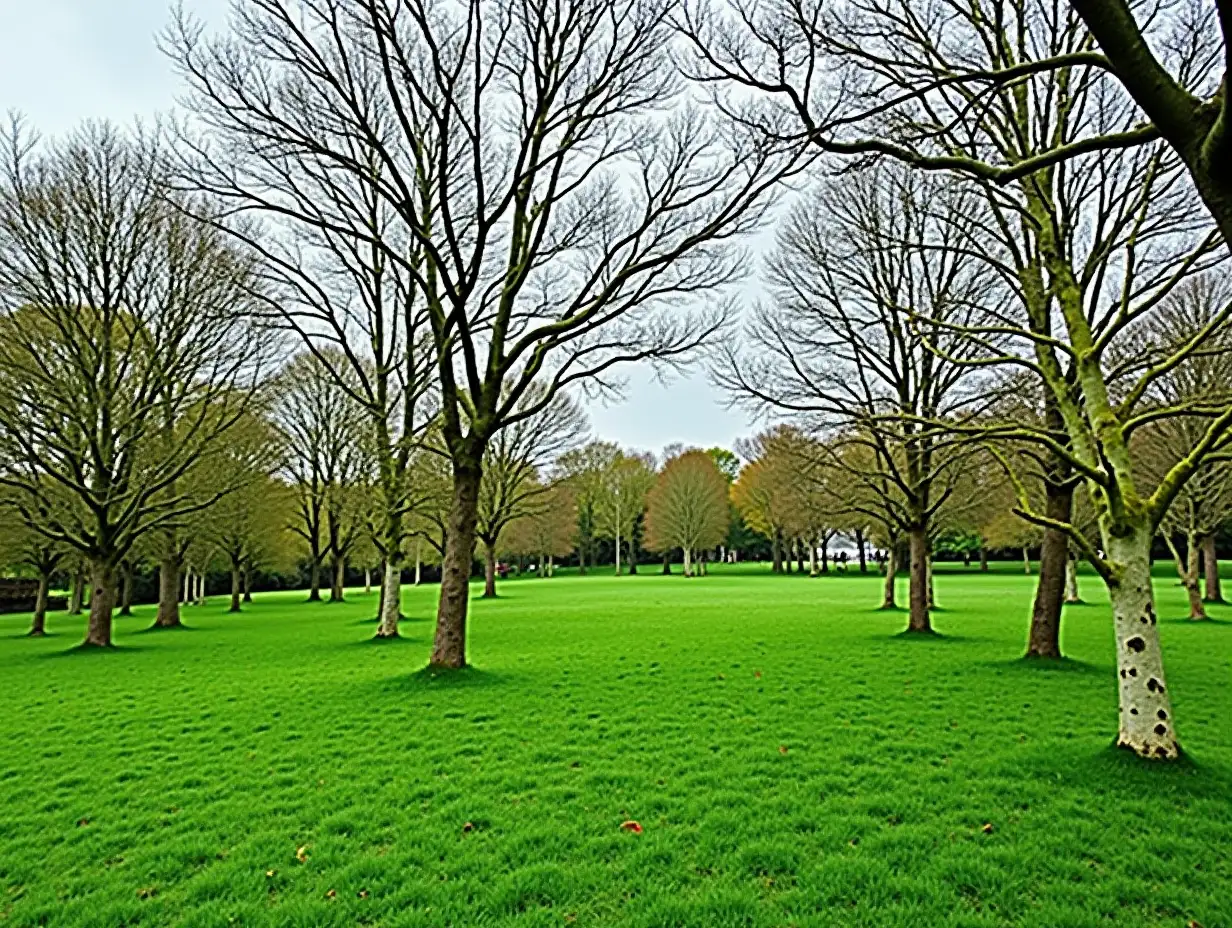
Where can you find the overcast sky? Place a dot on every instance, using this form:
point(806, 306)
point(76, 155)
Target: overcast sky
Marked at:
point(62, 61)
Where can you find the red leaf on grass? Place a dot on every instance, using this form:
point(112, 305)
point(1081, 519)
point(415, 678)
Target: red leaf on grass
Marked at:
point(631, 826)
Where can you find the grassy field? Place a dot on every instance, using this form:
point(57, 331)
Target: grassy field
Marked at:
point(790, 759)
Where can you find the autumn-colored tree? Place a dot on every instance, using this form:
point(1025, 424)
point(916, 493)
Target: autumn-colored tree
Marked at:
point(548, 532)
point(687, 507)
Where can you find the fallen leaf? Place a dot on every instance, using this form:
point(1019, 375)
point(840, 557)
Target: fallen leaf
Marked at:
point(301, 854)
point(757, 674)
point(148, 892)
point(363, 894)
point(1192, 924)
point(631, 826)
point(468, 828)
point(987, 829)
point(271, 873)
point(331, 894)
point(782, 749)
point(82, 822)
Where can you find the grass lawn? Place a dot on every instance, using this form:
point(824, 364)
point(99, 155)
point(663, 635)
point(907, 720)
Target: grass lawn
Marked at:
point(790, 760)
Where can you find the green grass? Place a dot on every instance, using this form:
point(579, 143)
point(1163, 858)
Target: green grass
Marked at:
point(171, 782)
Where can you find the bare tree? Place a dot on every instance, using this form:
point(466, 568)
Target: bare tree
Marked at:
point(548, 532)
point(870, 279)
point(120, 315)
point(549, 217)
point(1205, 502)
point(1095, 221)
point(516, 463)
point(687, 508)
point(324, 451)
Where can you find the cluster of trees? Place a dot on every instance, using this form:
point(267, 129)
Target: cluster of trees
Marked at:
point(460, 210)
point(1017, 267)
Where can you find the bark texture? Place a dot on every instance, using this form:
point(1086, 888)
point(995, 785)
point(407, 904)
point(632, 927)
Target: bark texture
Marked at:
point(235, 588)
point(102, 599)
point(38, 623)
point(168, 615)
point(1210, 566)
point(891, 570)
point(489, 570)
point(1146, 723)
point(1072, 596)
point(77, 595)
point(921, 577)
point(314, 581)
point(391, 600)
point(337, 589)
point(449, 645)
point(1044, 639)
point(126, 589)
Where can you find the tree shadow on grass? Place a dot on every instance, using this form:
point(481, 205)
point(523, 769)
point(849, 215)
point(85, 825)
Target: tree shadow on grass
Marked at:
point(404, 620)
point(1033, 666)
point(932, 637)
point(1123, 773)
point(88, 651)
point(165, 629)
point(1194, 623)
point(430, 679)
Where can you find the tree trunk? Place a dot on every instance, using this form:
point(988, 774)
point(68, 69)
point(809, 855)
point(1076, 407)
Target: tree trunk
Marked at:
point(247, 580)
point(126, 589)
point(489, 570)
point(168, 615)
point(776, 550)
point(551, 566)
point(38, 624)
point(799, 546)
point(391, 600)
point(1190, 579)
point(1147, 726)
point(314, 582)
point(891, 570)
point(1044, 639)
point(102, 598)
point(1072, 596)
point(812, 558)
point(367, 580)
point(235, 587)
point(449, 645)
point(418, 565)
point(1210, 563)
point(688, 562)
point(860, 548)
point(825, 555)
point(1026, 560)
point(919, 621)
point(983, 558)
point(932, 590)
point(667, 562)
point(337, 589)
point(77, 595)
